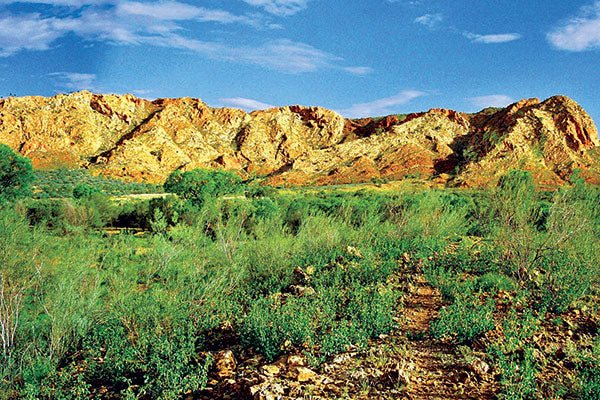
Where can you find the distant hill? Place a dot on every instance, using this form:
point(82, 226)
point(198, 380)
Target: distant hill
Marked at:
point(139, 140)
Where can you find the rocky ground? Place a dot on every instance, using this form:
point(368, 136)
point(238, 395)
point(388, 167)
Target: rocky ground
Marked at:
point(407, 364)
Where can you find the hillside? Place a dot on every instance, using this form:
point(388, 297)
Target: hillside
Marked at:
point(139, 140)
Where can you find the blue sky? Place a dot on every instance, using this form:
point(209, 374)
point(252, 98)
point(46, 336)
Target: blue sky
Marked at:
point(358, 57)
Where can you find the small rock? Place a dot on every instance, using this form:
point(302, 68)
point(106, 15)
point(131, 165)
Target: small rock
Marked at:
point(481, 368)
point(302, 290)
point(339, 359)
point(353, 251)
point(226, 364)
point(267, 391)
point(300, 277)
point(271, 370)
point(306, 375)
point(406, 258)
point(296, 361)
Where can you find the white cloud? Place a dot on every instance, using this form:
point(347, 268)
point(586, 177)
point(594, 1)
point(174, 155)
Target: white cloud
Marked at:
point(28, 32)
point(360, 71)
point(137, 23)
point(579, 33)
point(177, 11)
point(66, 3)
point(494, 38)
point(142, 92)
point(244, 104)
point(383, 106)
point(283, 55)
point(494, 100)
point(75, 80)
point(280, 7)
point(430, 20)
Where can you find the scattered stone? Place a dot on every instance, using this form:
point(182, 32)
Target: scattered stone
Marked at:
point(481, 368)
point(271, 370)
point(341, 358)
point(406, 258)
point(302, 290)
point(353, 251)
point(267, 391)
point(226, 364)
point(301, 278)
point(296, 361)
point(306, 375)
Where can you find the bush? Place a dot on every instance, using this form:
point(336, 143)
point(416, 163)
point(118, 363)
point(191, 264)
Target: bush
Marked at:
point(64, 215)
point(85, 191)
point(515, 355)
point(16, 174)
point(200, 185)
point(269, 324)
point(563, 281)
point(62, 183)
point(464, 320)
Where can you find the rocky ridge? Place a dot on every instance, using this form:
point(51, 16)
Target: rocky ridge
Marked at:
point(140, 140)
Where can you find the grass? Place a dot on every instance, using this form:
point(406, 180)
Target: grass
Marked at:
point(291, 272)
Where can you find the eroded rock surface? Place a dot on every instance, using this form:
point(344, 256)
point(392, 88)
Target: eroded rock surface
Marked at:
point(140, 140)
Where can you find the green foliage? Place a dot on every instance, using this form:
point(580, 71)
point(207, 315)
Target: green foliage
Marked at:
point(84, 191)
point(16, 174)
point(515, 198)
point(518, 376)
point(199, 185)
point(319, 323)
point(159, 222)
point(318, 272)
point(515, 356)
point(564, 280)
point(65, 215)
point(59, 183)
point(464, 320)
point(493, 283)
point(269, 324)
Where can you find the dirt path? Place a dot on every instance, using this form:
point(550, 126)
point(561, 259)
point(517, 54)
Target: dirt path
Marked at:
point(406, 364)
point(440, 371)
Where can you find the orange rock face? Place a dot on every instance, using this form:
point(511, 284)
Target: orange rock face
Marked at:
point(140, 140)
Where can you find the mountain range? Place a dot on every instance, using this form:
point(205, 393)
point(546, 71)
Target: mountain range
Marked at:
point(134, 139)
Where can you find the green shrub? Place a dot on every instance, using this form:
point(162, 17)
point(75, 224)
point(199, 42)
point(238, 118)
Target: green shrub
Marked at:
point(342, 336)
point(518, 375)
point(464, 320)
point(85, 191)
point(373, 308)
point(589, 383)
point(199, 185)
point(563, 281)
point(515, 355)
point(61, 183)
point(16, 174)
point(493, 283)
point(269, 324)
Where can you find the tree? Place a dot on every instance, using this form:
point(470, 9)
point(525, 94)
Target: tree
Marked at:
point(199, 185)
point(84, 191)
point(16, 174)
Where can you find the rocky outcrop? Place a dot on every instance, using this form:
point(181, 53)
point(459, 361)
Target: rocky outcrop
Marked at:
point(140, 140)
